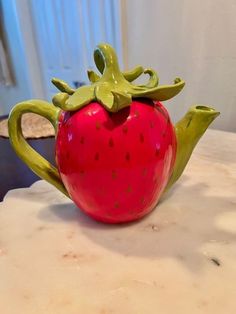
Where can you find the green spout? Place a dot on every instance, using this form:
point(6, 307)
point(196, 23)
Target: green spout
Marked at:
point(188, 132)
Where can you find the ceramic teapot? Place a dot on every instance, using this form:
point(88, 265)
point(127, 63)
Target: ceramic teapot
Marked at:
point(117, 151)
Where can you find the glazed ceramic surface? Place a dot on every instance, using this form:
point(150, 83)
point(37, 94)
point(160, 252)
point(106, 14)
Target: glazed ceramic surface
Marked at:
point(115, 166)
point(116, 151)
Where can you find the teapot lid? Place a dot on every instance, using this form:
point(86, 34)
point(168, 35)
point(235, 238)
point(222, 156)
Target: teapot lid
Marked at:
point(113, 89)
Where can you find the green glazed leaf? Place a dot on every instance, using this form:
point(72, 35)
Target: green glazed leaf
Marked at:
point(93, 77)
point(104, 95)
point(112, 100)
point(163, 92)
point(60, 99)
point(121, 100)
point(133, 74)
point(83, 96)
point(62, 86)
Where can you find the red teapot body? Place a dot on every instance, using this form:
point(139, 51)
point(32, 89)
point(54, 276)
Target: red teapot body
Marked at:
point(115, 166)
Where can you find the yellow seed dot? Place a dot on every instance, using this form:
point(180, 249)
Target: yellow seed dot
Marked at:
point(144, 172)
point(127, 156)
point(141, 138)
point(151, 125)
point(157, 152)
point(117, 205)
point(129, 189)
point(82, 140)
point(111, 142)
point(125, 129)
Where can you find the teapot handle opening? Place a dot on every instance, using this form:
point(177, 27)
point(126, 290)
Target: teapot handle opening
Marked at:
point(34, 160)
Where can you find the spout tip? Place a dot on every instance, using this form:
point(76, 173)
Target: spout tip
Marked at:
point(206, 110)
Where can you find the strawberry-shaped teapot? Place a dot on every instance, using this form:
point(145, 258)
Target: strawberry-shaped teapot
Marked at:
point(117, 151)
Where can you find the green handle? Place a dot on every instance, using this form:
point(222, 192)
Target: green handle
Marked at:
point(34, 160)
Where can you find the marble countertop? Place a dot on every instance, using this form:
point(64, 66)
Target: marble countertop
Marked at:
point(179, 259)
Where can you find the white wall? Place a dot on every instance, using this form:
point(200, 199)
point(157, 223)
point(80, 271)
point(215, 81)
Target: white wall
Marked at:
point(195, 40)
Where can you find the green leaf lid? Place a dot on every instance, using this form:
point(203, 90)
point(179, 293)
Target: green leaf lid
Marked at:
point(113, 89)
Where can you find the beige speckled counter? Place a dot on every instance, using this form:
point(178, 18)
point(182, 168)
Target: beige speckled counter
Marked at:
point(180, 259)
